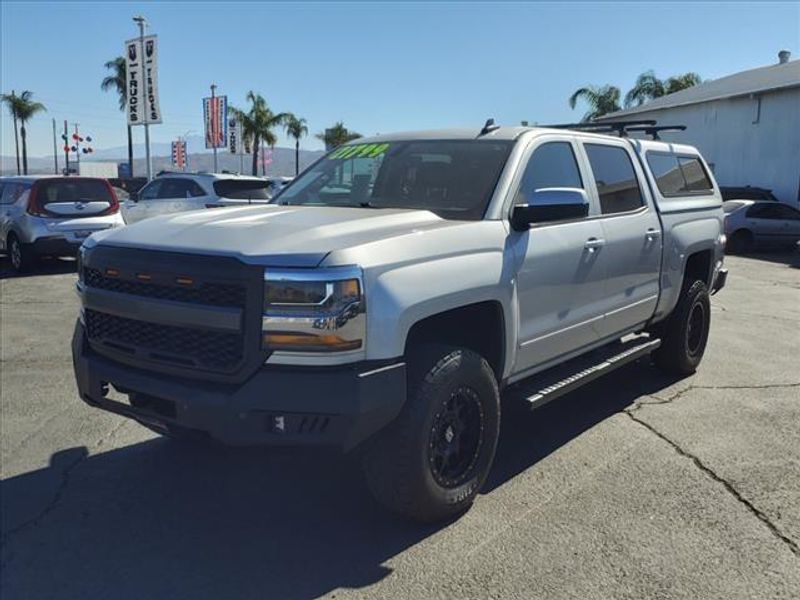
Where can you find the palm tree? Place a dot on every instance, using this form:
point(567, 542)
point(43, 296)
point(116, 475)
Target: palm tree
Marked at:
point(648, 87)
point(296, 128)
point(117, 81)
point(601, 100)
point(258, 123)
point(23, 108)
point(9, 102)
point(337, 135)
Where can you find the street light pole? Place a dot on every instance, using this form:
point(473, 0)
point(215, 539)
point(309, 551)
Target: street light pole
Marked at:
point(214, 132)
point(142, 23)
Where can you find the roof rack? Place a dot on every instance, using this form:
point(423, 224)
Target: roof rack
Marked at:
point(618, 127)
point(621, 128)
point(652, 130)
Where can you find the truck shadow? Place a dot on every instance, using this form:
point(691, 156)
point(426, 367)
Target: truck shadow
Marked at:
point(45, 266)
point(160, 519)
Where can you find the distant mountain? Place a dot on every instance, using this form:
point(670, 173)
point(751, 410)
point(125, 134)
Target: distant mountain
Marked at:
point(282, 160)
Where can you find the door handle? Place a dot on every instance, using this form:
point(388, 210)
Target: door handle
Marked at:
point(593, 244)
point(652, 234)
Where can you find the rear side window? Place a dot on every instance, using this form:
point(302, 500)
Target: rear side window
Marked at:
point(242, 189)
point(179, 188)
point(12, 192)
point(73, 190)
point(678, 175)
point(617, 184)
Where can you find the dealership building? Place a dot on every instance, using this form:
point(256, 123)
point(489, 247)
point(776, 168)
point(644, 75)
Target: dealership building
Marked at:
point(746, 125)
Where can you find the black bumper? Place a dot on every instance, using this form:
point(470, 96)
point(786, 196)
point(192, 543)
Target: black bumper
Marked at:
point(55, 246)
point(278, 406)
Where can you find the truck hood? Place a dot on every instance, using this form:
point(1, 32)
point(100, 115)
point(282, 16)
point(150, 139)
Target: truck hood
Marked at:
point(291, 236)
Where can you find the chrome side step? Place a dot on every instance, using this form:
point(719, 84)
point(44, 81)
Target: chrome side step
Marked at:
point(549, 385)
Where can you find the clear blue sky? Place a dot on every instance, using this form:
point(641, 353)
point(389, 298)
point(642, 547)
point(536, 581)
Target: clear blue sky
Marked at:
point(377, 66)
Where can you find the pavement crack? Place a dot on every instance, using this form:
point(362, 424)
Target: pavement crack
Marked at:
point(776, 532)
point(680, 393)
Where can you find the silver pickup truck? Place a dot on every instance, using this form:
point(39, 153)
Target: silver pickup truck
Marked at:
point(396, 289)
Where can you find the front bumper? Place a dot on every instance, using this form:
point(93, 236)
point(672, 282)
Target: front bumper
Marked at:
point(277, 406)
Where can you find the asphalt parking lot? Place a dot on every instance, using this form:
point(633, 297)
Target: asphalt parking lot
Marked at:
point(636, 486)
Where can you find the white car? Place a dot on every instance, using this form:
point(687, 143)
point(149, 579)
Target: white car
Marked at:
point(178, 192)
point(753, 224)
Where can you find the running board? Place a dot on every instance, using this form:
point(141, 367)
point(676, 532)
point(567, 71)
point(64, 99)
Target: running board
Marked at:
point(549, 385)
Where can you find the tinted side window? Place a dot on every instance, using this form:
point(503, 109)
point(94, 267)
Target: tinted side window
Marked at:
point(755, 211)
point(150, 191)
point(178, 188)
point(773, 211)
point(667, 171)
point(13, 191)
point(694, 174)
point(676, 175)
point(551, 165)
point(616, 180)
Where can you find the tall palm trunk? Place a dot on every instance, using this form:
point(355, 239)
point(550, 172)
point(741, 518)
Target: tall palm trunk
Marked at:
point(130, 151)
point(256, 142)
point(296, 157)
point(16, 138)
point(24, 149)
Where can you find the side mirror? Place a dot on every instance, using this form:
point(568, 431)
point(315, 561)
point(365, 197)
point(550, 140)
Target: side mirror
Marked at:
point(550, 204)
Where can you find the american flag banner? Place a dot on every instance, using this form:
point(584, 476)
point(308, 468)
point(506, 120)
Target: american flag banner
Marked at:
point(215, 115)
point(179, 154)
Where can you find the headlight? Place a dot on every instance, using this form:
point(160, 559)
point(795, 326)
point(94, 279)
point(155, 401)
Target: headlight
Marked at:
point(314, 310)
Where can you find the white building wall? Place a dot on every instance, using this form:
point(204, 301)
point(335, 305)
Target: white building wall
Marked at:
point(750, 141)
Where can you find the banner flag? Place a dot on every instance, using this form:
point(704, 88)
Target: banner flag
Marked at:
point(179, 154)
point(234, 137)
point(141, 72)
point(215, 115)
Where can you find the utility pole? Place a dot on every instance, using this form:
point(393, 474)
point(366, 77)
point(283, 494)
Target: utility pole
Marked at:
point(55, 150)
point(66, 148)
point(214, 132)
point(16, 134)
point(142, 23)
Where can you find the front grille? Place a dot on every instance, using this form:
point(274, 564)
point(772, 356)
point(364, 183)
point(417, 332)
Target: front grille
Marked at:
point(167, 344)
point(214, 294)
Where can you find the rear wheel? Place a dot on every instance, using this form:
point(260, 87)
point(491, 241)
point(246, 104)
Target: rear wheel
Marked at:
point(21, 256)
point(685, 333)
point(430, 463)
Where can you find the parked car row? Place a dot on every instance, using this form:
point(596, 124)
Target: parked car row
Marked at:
point(50, 215)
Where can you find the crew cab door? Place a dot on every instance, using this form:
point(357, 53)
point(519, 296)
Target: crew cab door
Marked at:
point(561, 273)
point(632, 233)
point(138, 208)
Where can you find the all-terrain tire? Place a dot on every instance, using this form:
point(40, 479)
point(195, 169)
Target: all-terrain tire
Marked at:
point(430, 463)
point(685, 333)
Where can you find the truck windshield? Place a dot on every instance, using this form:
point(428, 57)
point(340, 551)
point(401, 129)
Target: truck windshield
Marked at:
point(453, 178)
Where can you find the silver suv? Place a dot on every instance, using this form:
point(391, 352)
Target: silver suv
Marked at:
point(52, 215)
point(179, 192)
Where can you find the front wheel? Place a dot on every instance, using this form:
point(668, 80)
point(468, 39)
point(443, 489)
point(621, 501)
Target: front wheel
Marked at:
point(685, 332)
point(430, 463)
